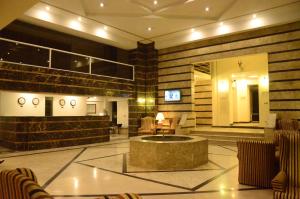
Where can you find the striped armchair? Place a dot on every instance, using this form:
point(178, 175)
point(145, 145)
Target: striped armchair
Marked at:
point(286, 183)
point(21, 183)
point(256, 162)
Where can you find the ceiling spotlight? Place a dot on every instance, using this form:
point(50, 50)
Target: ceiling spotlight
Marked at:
point(222, 23)
point(155, 2)
point(47, 8)
point(254, 16)
point(207, 9)
point(79, 19)
point(149, 28)
point(105, 27)
point(101, 4)
point(193, 29)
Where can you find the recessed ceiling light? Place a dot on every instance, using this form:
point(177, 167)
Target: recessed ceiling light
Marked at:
point(101, 4)
point(105, 28)
point(193, 29)
point(222, 23)
point(207, 9)
point(47, 8)
point(254, 16)
point(155, 2)
point(149, 28)
point(79, 19)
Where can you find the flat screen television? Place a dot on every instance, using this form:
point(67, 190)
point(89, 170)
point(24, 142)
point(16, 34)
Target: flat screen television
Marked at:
point(172, 95)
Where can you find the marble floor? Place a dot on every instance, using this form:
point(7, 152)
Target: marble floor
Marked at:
point(93, 170)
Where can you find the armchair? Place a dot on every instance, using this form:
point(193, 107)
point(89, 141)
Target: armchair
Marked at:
point(256, 162)
point(147, 126)
point(286, 183)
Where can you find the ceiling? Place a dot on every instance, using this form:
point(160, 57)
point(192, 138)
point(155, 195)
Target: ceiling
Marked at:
point(172, 22)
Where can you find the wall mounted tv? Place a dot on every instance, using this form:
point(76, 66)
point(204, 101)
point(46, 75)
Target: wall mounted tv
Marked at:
point(173, 95)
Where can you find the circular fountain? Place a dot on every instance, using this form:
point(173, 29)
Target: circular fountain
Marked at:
point(169, 152)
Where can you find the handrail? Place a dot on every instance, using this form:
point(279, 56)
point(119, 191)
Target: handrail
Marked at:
point(72, 53)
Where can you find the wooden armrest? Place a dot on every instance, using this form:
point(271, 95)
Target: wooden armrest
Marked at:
point(279, 182)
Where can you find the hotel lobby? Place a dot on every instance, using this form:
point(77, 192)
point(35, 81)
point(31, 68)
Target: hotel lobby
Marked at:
point(149, 99)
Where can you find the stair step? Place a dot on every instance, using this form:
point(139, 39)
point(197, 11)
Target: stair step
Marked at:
point(229, 137)
point(239, 134)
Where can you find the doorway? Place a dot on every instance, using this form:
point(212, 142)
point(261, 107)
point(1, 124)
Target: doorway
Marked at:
point(254, 103)
point(49, 106)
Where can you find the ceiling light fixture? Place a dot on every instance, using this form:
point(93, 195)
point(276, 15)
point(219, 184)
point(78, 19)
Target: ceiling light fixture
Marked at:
point(254, 16)
point(149, 28)
point(207, 9)
point(79, 19)
point(105, 27)
point(193, 29)
point(222, 23)
point(155, 2)
point(101, 4)
point(47, 8)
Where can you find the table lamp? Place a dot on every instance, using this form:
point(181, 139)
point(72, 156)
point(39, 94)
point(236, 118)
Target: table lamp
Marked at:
point(160, 117)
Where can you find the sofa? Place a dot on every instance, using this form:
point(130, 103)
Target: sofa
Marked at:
point(286, 184)
point(21, 183)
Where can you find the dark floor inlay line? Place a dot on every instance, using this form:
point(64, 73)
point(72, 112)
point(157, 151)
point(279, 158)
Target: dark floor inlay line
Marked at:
point(62, 169)
point(137, 177)
point(213, 178)
point(216, 164)
point(227, 148)
point(99, 157)
point(163, 193)
point(59, 150)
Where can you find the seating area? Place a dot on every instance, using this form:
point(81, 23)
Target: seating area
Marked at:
point(167, 126)
point(22, 183)
point(273, 163)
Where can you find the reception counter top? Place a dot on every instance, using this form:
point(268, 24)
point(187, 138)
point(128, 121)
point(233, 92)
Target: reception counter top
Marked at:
point(31, 133)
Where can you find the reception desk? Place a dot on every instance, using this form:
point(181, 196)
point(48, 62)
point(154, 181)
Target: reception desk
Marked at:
point(31, 133)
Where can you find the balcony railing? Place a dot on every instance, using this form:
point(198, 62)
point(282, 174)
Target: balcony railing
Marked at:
point(12, 51)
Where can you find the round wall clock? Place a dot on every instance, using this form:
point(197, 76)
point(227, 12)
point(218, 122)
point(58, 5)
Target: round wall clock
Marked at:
point(62, 102)
point(21, 101)
point(35, 101)
point(73, 103)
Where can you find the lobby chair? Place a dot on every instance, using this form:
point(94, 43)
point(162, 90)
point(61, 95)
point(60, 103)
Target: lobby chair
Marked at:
point(147, 126)
point(287, 124)
point(256, 162)
point(286, 183)
point(179, 129)
point(21, 183)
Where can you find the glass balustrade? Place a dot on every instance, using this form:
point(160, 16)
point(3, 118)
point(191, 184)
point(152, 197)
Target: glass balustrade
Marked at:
point(29, 54)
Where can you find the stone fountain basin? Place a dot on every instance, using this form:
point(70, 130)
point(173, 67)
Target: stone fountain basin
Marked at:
point(170, 152)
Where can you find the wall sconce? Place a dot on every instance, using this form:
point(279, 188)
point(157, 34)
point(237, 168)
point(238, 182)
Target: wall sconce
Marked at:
point(264, 81)
point(223, 85)
point(160, 117)
point(141, 100)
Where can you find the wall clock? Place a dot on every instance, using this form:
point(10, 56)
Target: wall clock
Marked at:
point(62, 102)
point(21, 101)
point(35, 101)
point(73, 103)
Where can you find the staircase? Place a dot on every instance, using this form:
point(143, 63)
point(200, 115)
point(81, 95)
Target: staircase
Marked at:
point(228, 136)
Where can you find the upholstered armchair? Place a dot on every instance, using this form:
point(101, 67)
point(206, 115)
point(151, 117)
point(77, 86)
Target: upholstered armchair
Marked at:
point(147, 126)
point(169, 125)
point(286, 183)
point(287, 124)
point(256, 162)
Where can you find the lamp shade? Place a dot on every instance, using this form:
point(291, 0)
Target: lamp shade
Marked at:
point(160, 117)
